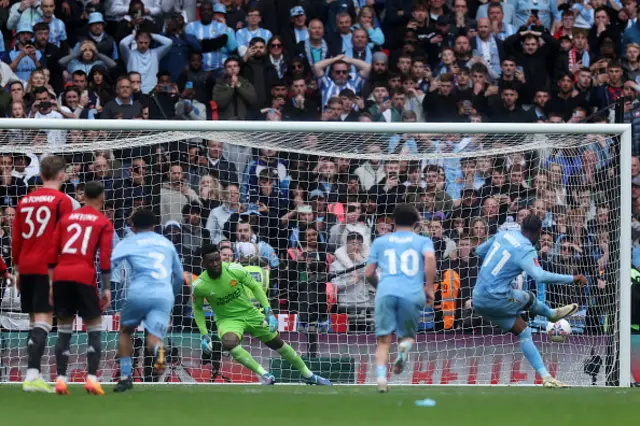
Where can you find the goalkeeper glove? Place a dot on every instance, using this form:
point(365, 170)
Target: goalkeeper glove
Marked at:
point(271, 320)
point(206, 344)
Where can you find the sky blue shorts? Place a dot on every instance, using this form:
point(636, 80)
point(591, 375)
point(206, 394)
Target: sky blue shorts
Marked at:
point(155, 313)
point(502, 311)
point(397, 315)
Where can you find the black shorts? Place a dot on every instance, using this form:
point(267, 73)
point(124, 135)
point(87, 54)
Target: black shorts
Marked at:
point(34, 294)
point(70, 298)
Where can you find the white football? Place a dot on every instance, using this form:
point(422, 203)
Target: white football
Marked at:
point(558, 331)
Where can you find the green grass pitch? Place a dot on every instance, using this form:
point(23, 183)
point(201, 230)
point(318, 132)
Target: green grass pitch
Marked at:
point(169, 405)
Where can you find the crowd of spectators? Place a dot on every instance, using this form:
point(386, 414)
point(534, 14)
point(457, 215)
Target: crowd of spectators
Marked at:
point(335, 60)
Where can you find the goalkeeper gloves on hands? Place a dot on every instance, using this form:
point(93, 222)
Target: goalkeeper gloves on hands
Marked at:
point(206, 344)
point(271, 320)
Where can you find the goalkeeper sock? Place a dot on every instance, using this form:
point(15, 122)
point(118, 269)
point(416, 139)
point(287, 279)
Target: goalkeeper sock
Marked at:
point(62, 349)
point(93, 349)
point(531, 352)
point(37, 344)
point(294, 359)
point(540, 308)
point(125, 368)
point(244, 358)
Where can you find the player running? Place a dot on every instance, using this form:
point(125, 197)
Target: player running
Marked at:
point(506, 255)
point(156, 278)
point(407, 264)
point(33, 228)
point(223, 286)
point(72, 269)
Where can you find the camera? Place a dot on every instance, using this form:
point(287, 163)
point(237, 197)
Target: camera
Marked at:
point(44, 105)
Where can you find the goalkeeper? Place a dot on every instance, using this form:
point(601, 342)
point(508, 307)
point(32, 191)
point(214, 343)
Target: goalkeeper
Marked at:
point(223, 285)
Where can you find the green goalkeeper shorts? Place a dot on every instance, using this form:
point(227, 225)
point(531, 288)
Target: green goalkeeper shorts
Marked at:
point(253, 323)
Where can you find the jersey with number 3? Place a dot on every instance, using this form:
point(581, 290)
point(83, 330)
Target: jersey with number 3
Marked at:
point(33, 228)
point(156, 270)
point(400, 259)
point(77, 239)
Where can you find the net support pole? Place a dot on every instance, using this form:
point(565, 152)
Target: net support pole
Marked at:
point(625, 258)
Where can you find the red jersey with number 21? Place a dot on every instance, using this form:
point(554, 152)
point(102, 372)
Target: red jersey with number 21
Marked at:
point(33, 227)
point(78, 237)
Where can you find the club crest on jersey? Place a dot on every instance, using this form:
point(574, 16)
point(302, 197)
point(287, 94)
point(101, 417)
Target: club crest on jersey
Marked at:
point(234, 283)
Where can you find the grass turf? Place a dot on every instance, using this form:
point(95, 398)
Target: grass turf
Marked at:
point(310, 406)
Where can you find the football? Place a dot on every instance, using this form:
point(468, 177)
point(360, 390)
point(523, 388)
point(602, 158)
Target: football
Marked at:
point(558, 331)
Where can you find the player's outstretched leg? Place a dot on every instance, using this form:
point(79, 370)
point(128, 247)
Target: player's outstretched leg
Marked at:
point(540, 308)
point(125, 348)
point(532, 355)
point(65, 330)
point(287, 352)
point(156, 347)
point(231, 344)
point(94, 348)
point(35, 349)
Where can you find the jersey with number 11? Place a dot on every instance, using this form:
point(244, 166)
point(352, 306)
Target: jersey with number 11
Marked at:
point(154, 262)
point(400, 259)
point(36, 217)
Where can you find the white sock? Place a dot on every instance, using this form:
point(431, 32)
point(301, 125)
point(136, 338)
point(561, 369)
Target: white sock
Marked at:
point(92, 377)
point(63, 378)
point(32, 374)
point(406, 344)
point(308, 374)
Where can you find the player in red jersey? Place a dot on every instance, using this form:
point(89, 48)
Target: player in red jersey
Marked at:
point(33, 228)
point(72, 268)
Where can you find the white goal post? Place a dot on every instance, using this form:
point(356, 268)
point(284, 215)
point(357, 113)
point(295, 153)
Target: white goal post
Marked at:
point(592, 161)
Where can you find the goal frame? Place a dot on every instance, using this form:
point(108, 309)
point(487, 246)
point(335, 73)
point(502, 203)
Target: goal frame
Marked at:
point(623, 131)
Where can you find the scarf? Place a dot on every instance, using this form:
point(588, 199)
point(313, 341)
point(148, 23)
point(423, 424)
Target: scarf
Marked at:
point(279, 65)
point(573, 54)
point(307, 50)
point(97, 39)
point(301, 35)
point(494, 55)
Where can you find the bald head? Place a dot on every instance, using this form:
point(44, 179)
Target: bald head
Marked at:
point(484, 28)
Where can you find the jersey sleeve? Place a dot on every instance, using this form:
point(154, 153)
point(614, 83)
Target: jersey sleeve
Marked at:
point(247, 280)
point(66, 206)
point(373, 253)
point(483, 248)
point(106, 244)
point(531, 265)
point(54, 249)
point(177, 271)
point(427, 247)
point(198, 303)
point(119, 254)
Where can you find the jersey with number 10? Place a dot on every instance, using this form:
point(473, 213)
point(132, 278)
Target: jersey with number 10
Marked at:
point(78, 237)
point(33, 227)
point(400, 258)
point(156, 270)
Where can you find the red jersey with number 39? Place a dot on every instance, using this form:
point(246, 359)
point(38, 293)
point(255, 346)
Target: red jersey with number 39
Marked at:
point(77, 239)
point(33, 227)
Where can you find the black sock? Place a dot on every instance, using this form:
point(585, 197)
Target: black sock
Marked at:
point(37, 344)
point(62, 349)
point(93, 350)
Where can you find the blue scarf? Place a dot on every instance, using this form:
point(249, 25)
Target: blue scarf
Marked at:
point(493, 52)
point(307, 51)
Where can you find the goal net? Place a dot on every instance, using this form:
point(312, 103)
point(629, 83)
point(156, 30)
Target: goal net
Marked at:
point(299, 204)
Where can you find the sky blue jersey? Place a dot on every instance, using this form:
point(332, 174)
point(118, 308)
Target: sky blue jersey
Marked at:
point(400, 258)
point(505, 256)
point(153, 260)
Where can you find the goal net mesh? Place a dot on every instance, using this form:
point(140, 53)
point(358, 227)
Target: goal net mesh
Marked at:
point(299, 208)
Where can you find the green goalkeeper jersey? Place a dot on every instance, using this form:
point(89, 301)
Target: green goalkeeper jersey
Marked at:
point(226, 295)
